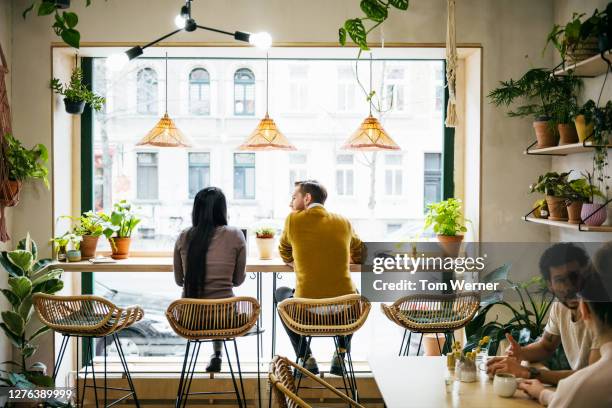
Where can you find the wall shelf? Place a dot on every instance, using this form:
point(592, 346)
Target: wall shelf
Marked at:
point(565, 224)
point(588, 68)
point(562, 150)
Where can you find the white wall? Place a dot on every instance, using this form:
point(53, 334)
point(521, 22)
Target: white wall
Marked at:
point(563, 10)
point(6, 41)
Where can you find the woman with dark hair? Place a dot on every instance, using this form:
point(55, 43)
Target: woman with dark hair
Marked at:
point(590, 386)
point(210, 256)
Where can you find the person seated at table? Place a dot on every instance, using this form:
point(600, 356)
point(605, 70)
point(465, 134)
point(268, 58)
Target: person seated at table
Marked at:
point(562, 266)
point(590, 386)
point(210, 256)
point(320, 246)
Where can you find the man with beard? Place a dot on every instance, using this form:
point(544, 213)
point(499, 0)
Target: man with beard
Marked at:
point(562, 266)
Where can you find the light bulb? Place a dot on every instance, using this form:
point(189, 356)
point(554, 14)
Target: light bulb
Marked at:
point(180, 20)
point(117, 61)
point(261, 40)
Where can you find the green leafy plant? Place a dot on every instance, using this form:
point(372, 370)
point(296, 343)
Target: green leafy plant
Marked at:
point(570, 36)
point(64, 23)
point(376, 12)
point(121, 222)
point(77, 91)
point(265, 232)
point(539, 91)
point(68, 238)
point(552, 183)
point(534, 301)
point(445, 217)
point(581, 189)
point(25, 164)
point(89, 223)
point(588, 110)
point(565, 101)
point(27, 275)
point(602, 119)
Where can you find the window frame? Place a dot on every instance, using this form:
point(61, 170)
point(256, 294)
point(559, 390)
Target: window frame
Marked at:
point(190, 165)
point(201, 85)
point(155, 87)
point(243, 86)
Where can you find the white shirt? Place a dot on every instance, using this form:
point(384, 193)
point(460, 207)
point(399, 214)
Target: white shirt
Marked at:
point(586, 388)
point(314, 205)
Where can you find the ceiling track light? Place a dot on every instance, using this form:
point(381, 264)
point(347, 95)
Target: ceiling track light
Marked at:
point(185, 22)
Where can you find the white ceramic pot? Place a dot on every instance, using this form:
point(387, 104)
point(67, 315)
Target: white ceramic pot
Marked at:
point(504, 385)
point(265, 247)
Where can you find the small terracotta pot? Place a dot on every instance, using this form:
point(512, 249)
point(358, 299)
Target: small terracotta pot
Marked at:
point(9, 194)
point(450, 244)
point(120, 247)
point(597, 218)
point(567, 133)
point(430, 346)
point(583, 129)
point(545, 134)
point(556, 208)
point(265, 247)
point(573, 212)
point(88, 246)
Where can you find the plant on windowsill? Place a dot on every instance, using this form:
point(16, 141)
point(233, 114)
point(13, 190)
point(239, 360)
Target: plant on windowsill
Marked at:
point(23, 165)
point(76, 94)
point(539, 90)
point(89, 226)
point(118, 228)
point(265, 241)
point(580, 192)
point(448, 223)
point(64, 244)
point(27, 276)
point(554, 186)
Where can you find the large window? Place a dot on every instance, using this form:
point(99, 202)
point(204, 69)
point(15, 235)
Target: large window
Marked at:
point(147, 176)
point(298, 168)
point(199, 92)
point(146, 92)
point(394, 174)
point(298, 88)
point(347, 88)
point(199, 172)
point(432, 175)
point(396, 89)
point(345, 174)
point(244, 92)
point(244, 176)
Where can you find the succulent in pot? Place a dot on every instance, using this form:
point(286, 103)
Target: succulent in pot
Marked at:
point(580, 192)
point(118, 228)
point(554, 186)
point(76, 94)
point(89, 226)
point(265, 241)
point(447, 221)
point(65, 243)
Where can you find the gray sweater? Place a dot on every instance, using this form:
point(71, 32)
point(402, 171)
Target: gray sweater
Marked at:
point(225, 263)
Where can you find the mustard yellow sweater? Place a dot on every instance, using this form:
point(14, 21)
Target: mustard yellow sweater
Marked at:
point(321, 245)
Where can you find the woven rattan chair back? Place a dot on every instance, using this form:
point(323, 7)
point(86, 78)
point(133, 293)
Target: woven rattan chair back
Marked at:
point(86, 315)
point(209, 319)
point(433, 313)
point(339, 316)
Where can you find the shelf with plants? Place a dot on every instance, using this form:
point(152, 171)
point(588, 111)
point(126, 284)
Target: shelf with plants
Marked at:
point(565, 224)
point(588, 68)
point(562, 150)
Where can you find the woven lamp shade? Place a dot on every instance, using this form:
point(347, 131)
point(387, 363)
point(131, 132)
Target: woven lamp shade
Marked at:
point(370, 136)
point(165, 134)
point(266, 136)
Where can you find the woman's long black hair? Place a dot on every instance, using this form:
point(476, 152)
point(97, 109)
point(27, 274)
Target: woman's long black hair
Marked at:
point(209, 212)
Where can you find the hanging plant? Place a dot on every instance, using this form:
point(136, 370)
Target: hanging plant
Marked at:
point(76, 94)
point(65, 22)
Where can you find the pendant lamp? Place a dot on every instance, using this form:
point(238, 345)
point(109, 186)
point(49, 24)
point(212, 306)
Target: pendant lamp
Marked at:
point(266, 135)
point(165, 133)
point(370, 136)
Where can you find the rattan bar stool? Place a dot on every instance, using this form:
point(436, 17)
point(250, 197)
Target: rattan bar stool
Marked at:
point(427, 313)
point(282, 384)
point(333, 317)
point(89, 317)
point(206, 320)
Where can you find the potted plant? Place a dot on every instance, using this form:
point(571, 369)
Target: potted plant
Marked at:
point(27, 276)
point(23, 164)
point(579, 192)
point(539, 90)
point(64, 244)
point(265, 241)
point(540, 208)
point(585, 120)
point(89, 227)
point(575, 41)
point(565, 106)
point(554, 186)
point(600, 26)
point(447, 221)
point(76, 94)
point(118, 228)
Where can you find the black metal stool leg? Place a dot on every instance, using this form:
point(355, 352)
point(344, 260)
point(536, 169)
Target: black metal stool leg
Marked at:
point(78, 367)
point(60, 356)
point(308, 339)
point(191, 369)
point(126, 368)
point(239, 372)
point(344, 371)
point(349, 359)
point(403, 340)
point(438, 343)
point(229, 363)
point(105, 373)
point(84, 378)
point(93, 370)
point(179, 394)
point(407, 349)
point(420, 341)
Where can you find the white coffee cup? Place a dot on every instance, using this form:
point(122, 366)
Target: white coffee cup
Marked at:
point(504, 385)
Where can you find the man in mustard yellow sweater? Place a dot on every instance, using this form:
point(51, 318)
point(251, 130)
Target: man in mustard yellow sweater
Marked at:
point(320, 247)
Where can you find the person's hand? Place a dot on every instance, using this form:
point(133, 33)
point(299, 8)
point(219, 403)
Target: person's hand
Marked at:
point(508, 365)
point(531, 387)
point(514, 349)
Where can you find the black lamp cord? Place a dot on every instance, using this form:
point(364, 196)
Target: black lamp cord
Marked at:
point(370, 95)
point(166, 83)
point(267, 84)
